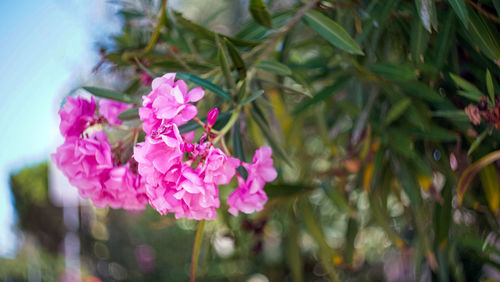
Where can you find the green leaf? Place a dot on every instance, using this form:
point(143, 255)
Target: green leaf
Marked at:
point(322, 95)
point(400, 143)
point(223, 62)
point(477, 142)
point(398, 109)
point(332, 31)
point(421, 90)
point(110, 94)
point(259, 12)
point(458, 115)
point(129, 114)
point(496, 3)
point(274, 67)
point(470, 92)
point(461, 11)
point(207, 85)
point(253, 97)
point(471, 171)
point(238, 62)
point(489, 86)
point(444, 41)
point(352, 231)
point(393, 71)
point(483, 34)
point(427, 12)
point(271, 138)
point(294, 257)
point(432, 133)
point(191, 125)
point(418, 41)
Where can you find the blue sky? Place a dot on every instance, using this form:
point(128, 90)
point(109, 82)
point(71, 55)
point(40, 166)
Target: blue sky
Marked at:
point(46, 46)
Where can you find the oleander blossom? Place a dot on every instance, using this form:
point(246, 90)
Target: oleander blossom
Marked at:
point(169, 101)
point(250, 196)
point(85, 162)
point(127, 187)
point(111, 109)
point(76, 114)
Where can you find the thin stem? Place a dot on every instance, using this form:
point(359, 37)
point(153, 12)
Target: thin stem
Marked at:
point(196, 249)
point(156, 31)
point(230, 123)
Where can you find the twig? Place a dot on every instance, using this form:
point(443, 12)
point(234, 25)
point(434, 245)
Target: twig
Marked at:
point(196, 249)
point(484, 12)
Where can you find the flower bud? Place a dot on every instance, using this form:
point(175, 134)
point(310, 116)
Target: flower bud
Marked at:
point(188, 147)
point(212, 116)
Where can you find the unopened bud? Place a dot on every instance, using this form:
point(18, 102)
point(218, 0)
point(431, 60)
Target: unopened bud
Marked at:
point(212, 116)
point(188, 147)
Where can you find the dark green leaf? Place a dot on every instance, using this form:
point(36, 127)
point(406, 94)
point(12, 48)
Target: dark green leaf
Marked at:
point(421, 90)
point(110, 94)
point(322, 95)
point(483, 34)
point(271, 138)
point(444, 41)
point(274, 67)
point(394, 72)
point(129, 114)
point(332, 31)
point(253, 97)
point(205, 84)
point(489, 86)
point(259, 12)
point(418, 41)
point(397, 110)
point(477, 142)
point(238, 62)
point(461, 11)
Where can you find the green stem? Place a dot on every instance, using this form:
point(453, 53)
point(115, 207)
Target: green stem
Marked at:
point(196, 249)
point(230, 123)
point(156, 31)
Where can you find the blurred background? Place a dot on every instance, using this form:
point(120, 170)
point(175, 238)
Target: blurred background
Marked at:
point(49, 48)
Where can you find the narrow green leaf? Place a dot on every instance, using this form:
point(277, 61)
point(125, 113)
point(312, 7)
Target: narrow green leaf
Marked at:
point(458, 115)
point(496, 3)
point(238, 151)
point(207, 85)
point(223, 62)
point(427, 12)
point(482, 33)
point(489, 86)
point(400, 143)
point(129, 114)
point(322, 95)
point(421, 90)
point(191, 125)
point(332, 31)
point(398, 109)
point(477, 142)
point(445, 38)
point(110, 94)
point(470, 92)
point(461, 11)
point(238, 62)
point(253, 97)
point(418, 41)
point(393, 71)
point(259, 12)
point(271, 138)
point(432, 133)
point(274, 67)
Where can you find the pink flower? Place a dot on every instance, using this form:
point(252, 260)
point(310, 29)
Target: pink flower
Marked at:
point(85, 162)
point(111, 109)
point(250, 195)
point(168, 102)
point(218, 167)
point(127, 187)
point(157, 154)
point(75, 115)
point(262, 169)
point(183, 192)
point(244, 200)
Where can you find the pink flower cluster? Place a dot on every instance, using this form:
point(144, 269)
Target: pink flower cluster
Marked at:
point(86, 157)
point(167, 169)
point(182, 177)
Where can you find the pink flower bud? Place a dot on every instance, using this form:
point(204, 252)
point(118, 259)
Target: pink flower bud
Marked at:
point(188, 147)
point(212, 116)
